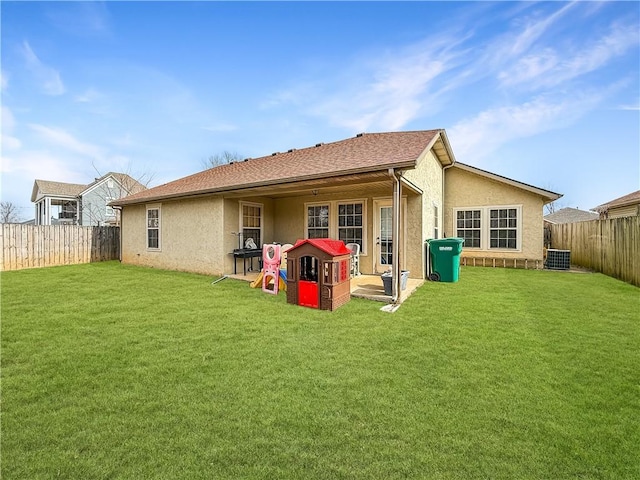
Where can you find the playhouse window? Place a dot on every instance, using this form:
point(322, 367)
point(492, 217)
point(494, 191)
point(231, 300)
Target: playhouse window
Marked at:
point(309, 269)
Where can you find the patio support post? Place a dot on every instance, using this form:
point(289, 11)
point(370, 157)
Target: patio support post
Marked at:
point(47, 211)
point(395, 247)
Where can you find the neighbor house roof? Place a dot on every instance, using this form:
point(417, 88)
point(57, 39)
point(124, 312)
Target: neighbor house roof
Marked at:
point(370, 152)
point(129, 184)
point(57, 189)
point(42, 188)
point(570, 215)
point(629, 199)
point(547, 194)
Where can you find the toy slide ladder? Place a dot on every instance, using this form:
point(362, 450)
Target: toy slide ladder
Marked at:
point(271, 268)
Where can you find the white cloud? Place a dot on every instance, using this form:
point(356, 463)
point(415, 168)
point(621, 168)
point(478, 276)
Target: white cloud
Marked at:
point(533, 30)
point(8, 123)
point(49, 78)
point(384, 94)
point(481, 135)
point(634, 107)
point(550, 67)
point(88, 96)
point(62, 138)
point(84, 19)
point(220, 127)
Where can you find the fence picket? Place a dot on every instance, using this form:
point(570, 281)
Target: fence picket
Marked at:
point(33, 246)
point(608, 246)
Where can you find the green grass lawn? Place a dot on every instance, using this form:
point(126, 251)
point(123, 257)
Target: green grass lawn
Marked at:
point(120, 372)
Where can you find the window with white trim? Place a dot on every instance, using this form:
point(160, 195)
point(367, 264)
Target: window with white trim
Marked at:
point(435, 222)
point(318, 221)
point(350, 223)
point(109, 211)
point(490, 228)
point(251, 223)
point(468, 227)
point(344, 220)
point(153, 228)
point(503, 228)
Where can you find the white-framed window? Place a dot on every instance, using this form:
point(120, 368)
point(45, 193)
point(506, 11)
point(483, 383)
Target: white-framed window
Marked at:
point(503, 228)
point(351, 223)
point(251, 223)
point(490, 228)
point(344, 220)
point(109, 211)
point(318, 221)
point(436, 230)
point(468, 227)
point(153, 227)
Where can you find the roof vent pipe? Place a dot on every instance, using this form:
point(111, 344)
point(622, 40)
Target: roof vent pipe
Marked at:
point(360, 134)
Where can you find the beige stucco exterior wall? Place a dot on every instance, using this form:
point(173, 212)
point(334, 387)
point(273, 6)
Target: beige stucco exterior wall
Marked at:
point(190, 236)
point(420, 211)
point(466, 189)
point(232, 224)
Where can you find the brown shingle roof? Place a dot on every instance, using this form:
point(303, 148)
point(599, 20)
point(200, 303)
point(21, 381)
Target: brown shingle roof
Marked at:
point(363, 153)
point(629, 199)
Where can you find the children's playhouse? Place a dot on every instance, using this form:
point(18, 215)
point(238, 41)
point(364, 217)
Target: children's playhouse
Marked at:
point(318, 273)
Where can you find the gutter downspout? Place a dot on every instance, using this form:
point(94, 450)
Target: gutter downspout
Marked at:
point(395, 248)
point(121, 220)
point(443, 198)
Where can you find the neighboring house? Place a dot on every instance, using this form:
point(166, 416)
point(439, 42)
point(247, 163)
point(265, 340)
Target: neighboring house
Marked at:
point(388, 192)
point(626, 206)
point(570, 215)
point(79, 204)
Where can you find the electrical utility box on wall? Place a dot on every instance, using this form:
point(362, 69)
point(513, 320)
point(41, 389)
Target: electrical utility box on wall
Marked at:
point(558, 259)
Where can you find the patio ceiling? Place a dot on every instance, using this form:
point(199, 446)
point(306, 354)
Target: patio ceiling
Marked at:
point(355, 185)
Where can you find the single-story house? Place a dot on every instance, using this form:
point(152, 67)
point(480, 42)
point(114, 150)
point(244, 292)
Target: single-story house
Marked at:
point(388, 192)
point(570, 215)
point(81, 204)
point(625, 206)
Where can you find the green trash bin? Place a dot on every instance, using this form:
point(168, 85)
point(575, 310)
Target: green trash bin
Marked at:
point(444, 254)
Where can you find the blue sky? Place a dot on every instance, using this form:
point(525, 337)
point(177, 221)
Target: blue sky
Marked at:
point(544, 93)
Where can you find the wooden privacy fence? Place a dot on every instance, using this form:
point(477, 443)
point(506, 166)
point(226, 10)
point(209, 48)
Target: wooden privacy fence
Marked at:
point(32, 246)
point(609, 246)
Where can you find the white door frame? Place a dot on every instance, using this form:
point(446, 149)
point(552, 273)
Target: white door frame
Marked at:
point(379, 203)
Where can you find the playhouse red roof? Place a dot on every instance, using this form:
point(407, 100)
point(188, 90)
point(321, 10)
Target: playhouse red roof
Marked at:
point(327, 245)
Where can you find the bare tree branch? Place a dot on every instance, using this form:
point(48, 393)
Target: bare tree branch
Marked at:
point(9, 213)
point(221, 159)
